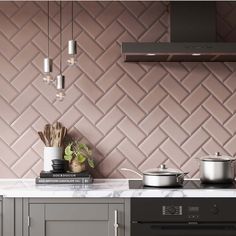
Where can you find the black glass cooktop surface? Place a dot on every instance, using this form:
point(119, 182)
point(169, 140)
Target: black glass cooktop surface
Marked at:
point(188, 184)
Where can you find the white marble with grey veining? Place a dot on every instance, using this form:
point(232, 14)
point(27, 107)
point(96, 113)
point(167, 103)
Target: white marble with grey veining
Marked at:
point(101, 188)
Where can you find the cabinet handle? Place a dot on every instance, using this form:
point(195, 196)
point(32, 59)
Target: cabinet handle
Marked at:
point(116, 225)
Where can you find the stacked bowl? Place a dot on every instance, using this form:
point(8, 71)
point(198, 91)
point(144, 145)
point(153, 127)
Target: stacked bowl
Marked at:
point(59, 165)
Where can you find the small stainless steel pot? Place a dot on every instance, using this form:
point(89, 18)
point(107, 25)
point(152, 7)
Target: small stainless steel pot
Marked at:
point(216, 169)
point(161, 177)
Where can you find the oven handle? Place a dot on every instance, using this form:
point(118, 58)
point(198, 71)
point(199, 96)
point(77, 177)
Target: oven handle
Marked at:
point(193, 226)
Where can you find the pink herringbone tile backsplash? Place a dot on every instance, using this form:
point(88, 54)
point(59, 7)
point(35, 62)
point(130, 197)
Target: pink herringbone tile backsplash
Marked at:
point(135, 115)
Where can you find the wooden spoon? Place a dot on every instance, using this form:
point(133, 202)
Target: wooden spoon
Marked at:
point(55, 138)
point(62, 134)
point(57, 130)
point(57, 125)
point(42, 137)
point(52, 134)
point(47, 134)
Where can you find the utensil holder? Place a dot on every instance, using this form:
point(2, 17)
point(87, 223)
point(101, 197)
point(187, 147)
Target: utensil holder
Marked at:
point(49, 154)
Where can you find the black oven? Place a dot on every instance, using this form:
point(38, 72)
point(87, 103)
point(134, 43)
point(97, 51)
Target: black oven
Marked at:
point(183, 217)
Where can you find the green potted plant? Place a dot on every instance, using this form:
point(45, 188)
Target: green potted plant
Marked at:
point(78, 154)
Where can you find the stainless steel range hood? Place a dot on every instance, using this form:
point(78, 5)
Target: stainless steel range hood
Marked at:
point(193, 37)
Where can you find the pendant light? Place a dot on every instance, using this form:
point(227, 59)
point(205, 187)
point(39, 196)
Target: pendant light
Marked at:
point(72, 44)
point(60, 80)
point(47, 62)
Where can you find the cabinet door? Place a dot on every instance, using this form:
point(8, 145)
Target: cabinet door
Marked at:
point(116, 220)
point(76, 219)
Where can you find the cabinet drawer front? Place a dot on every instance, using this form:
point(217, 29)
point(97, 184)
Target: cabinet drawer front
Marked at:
point(76, 211)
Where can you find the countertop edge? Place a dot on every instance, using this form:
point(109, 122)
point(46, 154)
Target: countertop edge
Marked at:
point(101, 188)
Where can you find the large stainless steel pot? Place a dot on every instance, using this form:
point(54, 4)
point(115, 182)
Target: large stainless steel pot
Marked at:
point(161, 177)
point(217, 169)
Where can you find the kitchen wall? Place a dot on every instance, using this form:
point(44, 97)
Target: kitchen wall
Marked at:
point(135, 115)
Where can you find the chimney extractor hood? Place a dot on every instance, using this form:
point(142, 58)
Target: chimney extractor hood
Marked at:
point(193, 37)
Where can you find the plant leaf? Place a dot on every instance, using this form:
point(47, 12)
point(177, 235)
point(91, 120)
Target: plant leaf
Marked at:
point(91, 163)
point(81, 145)
point(81, 158)
point(90, 152)
point(68, 151)
point(68, 157)
point(84, 147)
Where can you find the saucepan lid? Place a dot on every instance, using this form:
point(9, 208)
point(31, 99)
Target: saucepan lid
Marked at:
point(163, 171)
point(217, 158)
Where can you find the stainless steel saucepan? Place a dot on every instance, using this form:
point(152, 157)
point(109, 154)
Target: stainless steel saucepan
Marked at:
point(161, 177)
point(217, 169)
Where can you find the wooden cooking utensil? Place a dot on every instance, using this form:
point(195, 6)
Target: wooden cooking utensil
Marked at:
point(42, 137)
point(56, 138)
point(57, 125)
point(60, 137)
point(64, 132)
point(54, 134)
point(55, 128)
point(47, 134)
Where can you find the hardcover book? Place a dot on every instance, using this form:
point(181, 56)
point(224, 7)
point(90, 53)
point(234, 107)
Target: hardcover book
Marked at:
point(48, 174)
point(77, 180)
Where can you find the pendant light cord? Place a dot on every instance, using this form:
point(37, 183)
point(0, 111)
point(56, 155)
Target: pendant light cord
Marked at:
point(60, 37)
point(48, 29)
point(72, 19)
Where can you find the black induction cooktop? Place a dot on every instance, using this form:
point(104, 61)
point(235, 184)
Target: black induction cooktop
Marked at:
point(188, 184)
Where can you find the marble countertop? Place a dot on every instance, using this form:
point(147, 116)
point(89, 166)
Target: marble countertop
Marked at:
point(101, 188)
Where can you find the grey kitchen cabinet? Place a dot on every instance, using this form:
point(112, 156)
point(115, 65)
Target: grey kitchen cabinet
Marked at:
point(12, 216)
point(87, 217)
point(1, 218)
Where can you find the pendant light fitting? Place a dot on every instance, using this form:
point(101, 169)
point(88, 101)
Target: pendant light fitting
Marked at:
point(60, 81)
point(72, 44)
point(47, 62)
point(60, 86)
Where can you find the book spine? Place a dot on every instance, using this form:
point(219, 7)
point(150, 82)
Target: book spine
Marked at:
point(64, 181)
point(54, 175)
point(64, 175)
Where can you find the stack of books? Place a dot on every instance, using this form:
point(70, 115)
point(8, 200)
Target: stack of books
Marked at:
point(64, 178)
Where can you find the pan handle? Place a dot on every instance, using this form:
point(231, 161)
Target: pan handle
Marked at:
point(178, 178)
point(133, 171)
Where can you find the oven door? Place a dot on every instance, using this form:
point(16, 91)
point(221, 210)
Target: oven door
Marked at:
point(183, 229)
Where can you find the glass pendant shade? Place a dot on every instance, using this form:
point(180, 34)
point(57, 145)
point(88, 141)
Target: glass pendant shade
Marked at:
point(72, 52)
point(60, 86)
point(47, 69)
point(47, 65)
point(72, 47)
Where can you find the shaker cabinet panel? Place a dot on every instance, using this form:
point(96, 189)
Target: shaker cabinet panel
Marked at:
point(72, 212)
point(7, 217)
point(36, 221)
point(83, 219)
point(1, 218)
point(83, 228)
